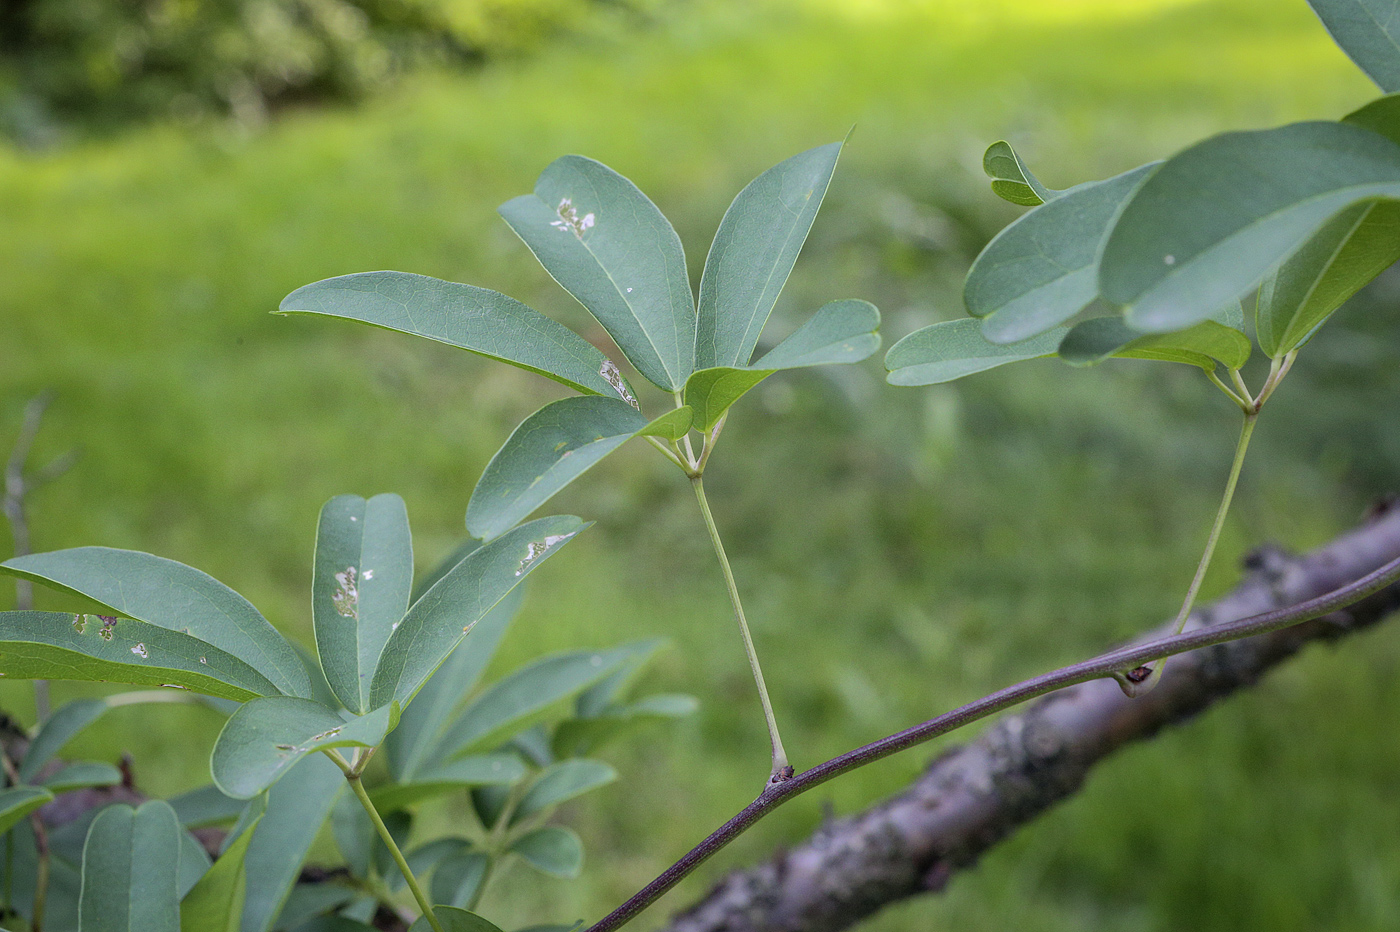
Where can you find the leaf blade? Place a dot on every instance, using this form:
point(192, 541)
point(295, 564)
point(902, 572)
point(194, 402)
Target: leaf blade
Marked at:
point(1369, 32)
point(130, 869)
point(753, 254)
point(612, 249)
point(1011, 179)
point(952, 349)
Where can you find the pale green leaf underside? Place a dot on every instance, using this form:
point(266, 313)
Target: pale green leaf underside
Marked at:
point(1095, 340)
point(457, 878)
point(1369, 32)
point(61, 727)
point(59, 646)
point(550, 449)
point(561, 782)
point(297, 807)
point(1043, 268)
point(18, 801)
point(552, 850)
point(131, 865)
point(839, 332)
point(474, 319)
point(1214, 220)
point(952, 349)
point(360, 589)
point(169, 594)
point(1011, 179)
point(473, 770)
point(1346, 252)
point(422, 722)
point(613, 250)
point(446, 612)
point(753, 253)
point(82, 774)
point(264, 738)
point(509, 703)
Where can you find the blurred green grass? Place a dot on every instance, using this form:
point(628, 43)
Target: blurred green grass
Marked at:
point(900, 551)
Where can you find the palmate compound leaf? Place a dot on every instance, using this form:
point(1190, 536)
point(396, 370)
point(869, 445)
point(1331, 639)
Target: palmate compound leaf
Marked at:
point(438, 621)
point(131, 866)
point(1214, 220)
point(1011, 179)
point(1043, 268)
point(613, 250)
point(753, 253)
point(477, 320)
point(60, 646)
point(266, 737)
point(840, 332)
point(952, 349)
point(1369, 32)
point(550, 449)
point(360, 589)
point(162, 592)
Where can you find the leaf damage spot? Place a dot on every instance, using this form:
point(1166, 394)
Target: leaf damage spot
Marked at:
point(203, 661)
point(108, 624)
point(79, 623)
point(140, 651)
point(536, 550)
point(570, 220)
point(368, 575)
point(346, 598)
point(613, 376)
point(1169, 260)
point(330, 733)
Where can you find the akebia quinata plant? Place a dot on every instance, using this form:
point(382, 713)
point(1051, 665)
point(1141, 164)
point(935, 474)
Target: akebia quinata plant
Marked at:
point(610, 247)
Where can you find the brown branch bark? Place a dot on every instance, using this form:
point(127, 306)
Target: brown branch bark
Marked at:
point(975, 795)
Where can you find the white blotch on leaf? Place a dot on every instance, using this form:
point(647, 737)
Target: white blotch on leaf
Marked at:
point(346, 599)
point(326, 734)
point(536, 550)
point(369, 574)
point(1169, 260)
point(613, 376)
point(570, 220)
point(140, 651)
point(204, 661)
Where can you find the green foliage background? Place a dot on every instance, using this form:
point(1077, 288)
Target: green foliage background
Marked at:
point(900, 550)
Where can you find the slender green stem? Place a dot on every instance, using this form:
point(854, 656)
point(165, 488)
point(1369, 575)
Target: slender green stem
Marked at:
point(1244, 403)
point(781, 770)
point(358, 787)
point(667, 452)
point(1143, 686)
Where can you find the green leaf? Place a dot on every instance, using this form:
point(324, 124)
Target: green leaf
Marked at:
point(954, 348)
point(551, 849)
point(18, 801)
point(477, 320)
point(1369, 32)
point(840, 332)
point(194, 864)
point(169, 594)
point(206, 805)
point(1095, 340)
point(61, 727)
point(354, 835)
point(1214, 220)
point(216, 902)
point(454, 920)
point(400, 826)
point(1043, 268)
point(458, 877)
point(673, 425)
point(753, 254)
point(267, 736)
point(131, 864)
point(444, 777)
point(576, 736)
point(310, 900)
point(297, 806)
point(1381, 115)
point(443, 616)
point(422, 722)
point(59, 646)
point(509, 704)
point(363, 578)
point(424, 859)
point(1348, 251)
point(550, 449)
point(81, 774)
point(560, 783)
point(608, 246)
point(1011, 179)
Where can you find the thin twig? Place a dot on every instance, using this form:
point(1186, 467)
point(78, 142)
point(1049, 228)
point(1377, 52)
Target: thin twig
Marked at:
point(1110, 664)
